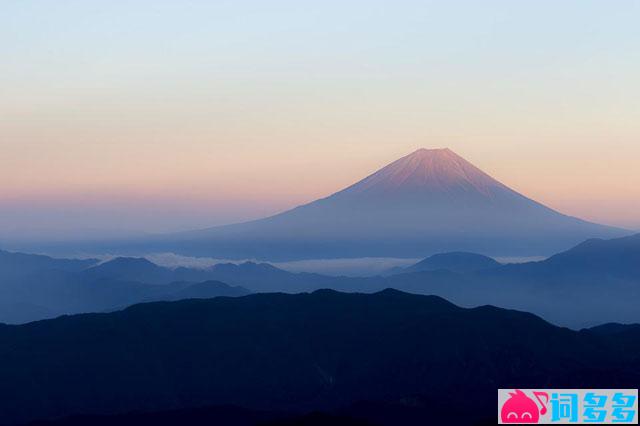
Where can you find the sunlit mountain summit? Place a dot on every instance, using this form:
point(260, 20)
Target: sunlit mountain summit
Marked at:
point(429, 201)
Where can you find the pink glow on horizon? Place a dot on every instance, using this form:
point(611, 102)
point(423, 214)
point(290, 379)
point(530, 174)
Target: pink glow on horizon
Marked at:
point(259, 186)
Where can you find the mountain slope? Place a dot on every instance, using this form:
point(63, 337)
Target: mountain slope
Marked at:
point(261, 277)
point(455, 261)
point(16, 265)
point(38, 287)
point(127, 268)
point(594, 262)
point(324, 350)
point(206, 290)
point(618, 257)
point(427, 202)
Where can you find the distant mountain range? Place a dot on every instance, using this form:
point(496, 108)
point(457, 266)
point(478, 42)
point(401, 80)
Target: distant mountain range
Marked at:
point(34, 287)
point(387, 357)
point(430, 201)
point(595, 282)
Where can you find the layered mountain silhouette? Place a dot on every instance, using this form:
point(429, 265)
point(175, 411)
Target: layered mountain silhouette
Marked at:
point(14, 265)
point(418, 357)
point(595, 282)
point(34, 287)
point(428, 202)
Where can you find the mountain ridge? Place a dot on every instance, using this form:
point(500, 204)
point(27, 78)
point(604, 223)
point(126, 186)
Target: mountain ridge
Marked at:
point(311, 351)
point(594, 282)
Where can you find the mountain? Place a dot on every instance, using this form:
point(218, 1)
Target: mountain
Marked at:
point(262, 277)
point(128, 268)
point(15, 265)
point(595, 263)
point(595, 282)
point(205, 290)
point(325, 351)
point(38, 287)
point(428, 202)
point(20, 301)
point(48, 297)
point(455, 261)
point(619, 258)
point(140, 269)
point(614, 328)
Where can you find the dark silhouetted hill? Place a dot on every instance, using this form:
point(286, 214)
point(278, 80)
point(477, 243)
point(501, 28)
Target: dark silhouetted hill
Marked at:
point(325, 351)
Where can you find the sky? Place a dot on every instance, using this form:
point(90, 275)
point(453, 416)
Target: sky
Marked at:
point(155, 116)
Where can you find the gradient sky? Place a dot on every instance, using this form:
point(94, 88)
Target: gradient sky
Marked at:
point(164, 115)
